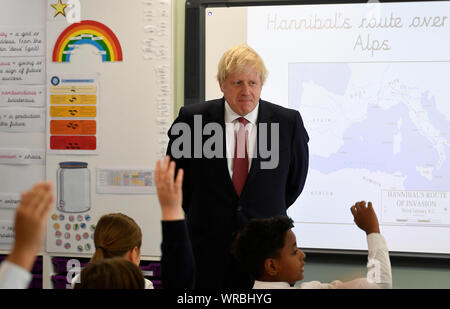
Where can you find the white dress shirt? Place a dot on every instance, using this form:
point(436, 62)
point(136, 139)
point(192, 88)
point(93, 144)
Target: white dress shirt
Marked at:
point(378, 270)
point(231, 128)
point(13, 276)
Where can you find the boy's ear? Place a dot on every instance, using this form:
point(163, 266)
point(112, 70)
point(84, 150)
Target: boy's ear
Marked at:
point(271, 267)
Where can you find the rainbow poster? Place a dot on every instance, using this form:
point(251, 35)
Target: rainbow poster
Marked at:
point(87, 32)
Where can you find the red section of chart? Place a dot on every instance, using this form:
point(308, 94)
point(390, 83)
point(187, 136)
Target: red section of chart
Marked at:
point(73, 142)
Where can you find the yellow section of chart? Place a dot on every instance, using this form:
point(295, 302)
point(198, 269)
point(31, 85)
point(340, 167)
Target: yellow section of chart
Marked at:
point(73, 111)
point(72, 89)
point(90, 99)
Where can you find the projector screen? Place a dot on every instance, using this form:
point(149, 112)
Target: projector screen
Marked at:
point(371, 82)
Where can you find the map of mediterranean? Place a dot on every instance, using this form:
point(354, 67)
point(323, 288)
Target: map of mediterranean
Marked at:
point(385, 125)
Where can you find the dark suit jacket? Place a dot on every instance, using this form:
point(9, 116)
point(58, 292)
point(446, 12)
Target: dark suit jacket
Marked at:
point(214, 212)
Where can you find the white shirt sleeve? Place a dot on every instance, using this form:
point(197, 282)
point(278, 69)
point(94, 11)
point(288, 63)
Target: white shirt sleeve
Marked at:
point(378, 270)
point(75, 279)
point(13, 276)
point(148, 284)
point(379, 265)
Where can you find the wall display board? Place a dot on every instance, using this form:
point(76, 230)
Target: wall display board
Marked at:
point(22, 105)
point(108, 77)
point(86, 91)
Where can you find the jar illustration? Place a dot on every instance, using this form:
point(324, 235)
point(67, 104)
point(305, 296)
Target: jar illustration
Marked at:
point(74, 187)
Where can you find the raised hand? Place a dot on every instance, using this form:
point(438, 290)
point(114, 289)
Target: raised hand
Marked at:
point(365, 217)
point(170, 191)
point(30, 224)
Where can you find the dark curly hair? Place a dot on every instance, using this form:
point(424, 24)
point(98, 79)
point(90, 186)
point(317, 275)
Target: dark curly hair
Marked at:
point(259, 240)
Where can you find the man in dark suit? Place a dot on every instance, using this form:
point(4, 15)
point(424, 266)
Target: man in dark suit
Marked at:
point(242, 158)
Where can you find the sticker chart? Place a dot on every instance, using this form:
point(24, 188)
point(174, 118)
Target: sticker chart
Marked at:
point(125, 181)
point(73, 115)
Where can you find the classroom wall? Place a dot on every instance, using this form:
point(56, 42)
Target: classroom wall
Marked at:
point(407, 273)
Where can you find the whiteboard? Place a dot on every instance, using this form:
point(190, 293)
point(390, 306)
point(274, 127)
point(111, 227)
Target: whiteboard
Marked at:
point(369, 80)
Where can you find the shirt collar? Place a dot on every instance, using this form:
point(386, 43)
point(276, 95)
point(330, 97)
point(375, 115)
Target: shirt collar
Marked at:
point(231, 115)
point(271, 285)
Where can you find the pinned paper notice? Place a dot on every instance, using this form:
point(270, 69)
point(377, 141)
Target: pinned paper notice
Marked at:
point(22, 70)
point(22, 95)
point(9, 200)
point(22, 156)
point(21, 41)
point(6, 232)
point(22, 120)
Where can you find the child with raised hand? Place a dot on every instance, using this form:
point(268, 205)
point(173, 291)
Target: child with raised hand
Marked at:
point(268, 250)
point(29, 228)
point(177, 261)
point(117, 235)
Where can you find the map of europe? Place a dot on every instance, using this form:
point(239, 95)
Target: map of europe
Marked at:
point(378, 131)
point(376, 116)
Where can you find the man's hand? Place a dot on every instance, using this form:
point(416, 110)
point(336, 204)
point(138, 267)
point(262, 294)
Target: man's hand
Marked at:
point(365, 217)
point(170, 193)
point(30, 224)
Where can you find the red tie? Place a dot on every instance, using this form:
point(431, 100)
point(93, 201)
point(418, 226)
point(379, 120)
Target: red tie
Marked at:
point(240, 166)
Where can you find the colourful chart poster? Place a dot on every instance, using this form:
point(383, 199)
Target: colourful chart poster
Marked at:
point(72, 114)
point(125, 181)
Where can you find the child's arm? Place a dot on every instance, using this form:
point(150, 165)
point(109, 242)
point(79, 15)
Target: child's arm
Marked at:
point(177, 261)
point(30, 225)
point(170, 193)
point(379, 265)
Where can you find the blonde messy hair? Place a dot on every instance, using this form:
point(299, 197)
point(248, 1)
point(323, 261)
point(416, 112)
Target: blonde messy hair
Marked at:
point(237, 58)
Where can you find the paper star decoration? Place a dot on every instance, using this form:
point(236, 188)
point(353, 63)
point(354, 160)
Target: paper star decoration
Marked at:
point(59, 8)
